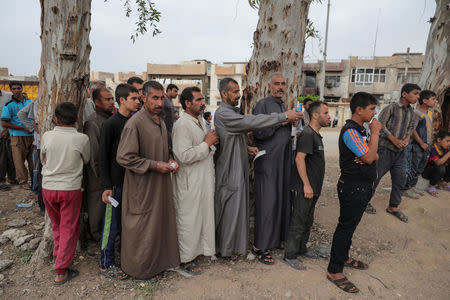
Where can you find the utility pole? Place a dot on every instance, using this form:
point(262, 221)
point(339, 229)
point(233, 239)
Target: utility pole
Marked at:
point(406, 62)
point(376, 33)
point(324, 62)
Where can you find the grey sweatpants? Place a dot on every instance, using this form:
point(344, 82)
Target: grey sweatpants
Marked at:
point(395, 163)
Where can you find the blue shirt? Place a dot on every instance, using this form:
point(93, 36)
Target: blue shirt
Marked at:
point(355, 142)
point(9, 114)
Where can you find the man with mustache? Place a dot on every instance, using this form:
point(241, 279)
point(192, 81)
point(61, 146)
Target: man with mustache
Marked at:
point(232, 173)
point(104, 104)
point(272, 175)
point(149, 234)
point(193, 190)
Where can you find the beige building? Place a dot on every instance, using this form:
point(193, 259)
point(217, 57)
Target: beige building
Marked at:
point(235, 70)
point(185, 74)
point(384, 76)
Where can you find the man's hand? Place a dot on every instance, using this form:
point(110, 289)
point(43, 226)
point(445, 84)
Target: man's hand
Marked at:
point(5, 134)
point(424, 146)
point(105, 195)
point(293, 115)
point(398, 143)
point(375, 126)
point(252, 151)
point(211, 138)
point(163, 167)
point(359, 161)
point(308, 191)
point(174, 166)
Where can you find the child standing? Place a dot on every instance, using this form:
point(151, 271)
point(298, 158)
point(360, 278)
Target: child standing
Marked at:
point(438, 169)
point(422, 140)
point(398, 125)
point(63, 153)
point(112, 176)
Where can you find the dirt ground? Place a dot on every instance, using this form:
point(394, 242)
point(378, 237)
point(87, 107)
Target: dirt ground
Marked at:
point(407, 261)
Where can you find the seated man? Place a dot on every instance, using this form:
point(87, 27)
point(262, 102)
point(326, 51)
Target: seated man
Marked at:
point(438, 169)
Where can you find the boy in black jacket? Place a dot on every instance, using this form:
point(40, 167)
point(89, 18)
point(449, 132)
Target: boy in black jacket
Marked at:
point(355, 185)
point(112, 176)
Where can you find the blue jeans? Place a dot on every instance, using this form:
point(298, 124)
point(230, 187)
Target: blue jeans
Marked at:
point(112, 227)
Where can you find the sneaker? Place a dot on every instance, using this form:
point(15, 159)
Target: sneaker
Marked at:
point(411, 194)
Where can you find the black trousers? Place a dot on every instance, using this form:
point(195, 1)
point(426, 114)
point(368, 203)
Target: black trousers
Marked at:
point(437, 173)
point(353, 199)
point(302, 218)
point(6, 161)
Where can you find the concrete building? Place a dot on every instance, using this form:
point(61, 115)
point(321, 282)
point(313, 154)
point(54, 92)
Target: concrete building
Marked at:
point(235, 70)
point(185, 74)
point(384, 76)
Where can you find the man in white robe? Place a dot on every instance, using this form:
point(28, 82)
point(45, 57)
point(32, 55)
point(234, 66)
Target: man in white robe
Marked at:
point(193, 187)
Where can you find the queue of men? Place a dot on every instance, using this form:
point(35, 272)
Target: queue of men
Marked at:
point(172, 188)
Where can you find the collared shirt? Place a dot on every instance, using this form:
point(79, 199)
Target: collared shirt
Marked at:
point(9, 114)
point(398, 120)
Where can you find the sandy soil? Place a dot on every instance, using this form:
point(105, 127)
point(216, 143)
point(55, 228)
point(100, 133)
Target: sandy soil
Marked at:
point(407, 261)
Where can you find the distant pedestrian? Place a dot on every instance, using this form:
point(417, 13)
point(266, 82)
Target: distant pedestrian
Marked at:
point(21, 136)
point(63, 152)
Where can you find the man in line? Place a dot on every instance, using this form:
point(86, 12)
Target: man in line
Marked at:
point(112, 175)
point(138, 83)
point(104, 104)
point(438, 168)
point(21, 137)
point(63, 153)
point(272, 175)
point(28, 116)
point(193, 190)
point(357, 161)
point(89, 107)
point(421, 143)
point(398, 125)
point(208, 118)
point(149, 234)
point(168, 109)
point(307, 180)
point(232, 173)
point(6, 160)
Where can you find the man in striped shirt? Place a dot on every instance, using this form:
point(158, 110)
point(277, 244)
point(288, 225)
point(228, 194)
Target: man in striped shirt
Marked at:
point(398, 121)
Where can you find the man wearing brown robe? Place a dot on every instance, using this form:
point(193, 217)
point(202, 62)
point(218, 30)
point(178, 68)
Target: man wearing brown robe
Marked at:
point(149, 234)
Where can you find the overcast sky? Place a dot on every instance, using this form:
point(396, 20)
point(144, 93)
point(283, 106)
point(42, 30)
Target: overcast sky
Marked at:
point(217, 30)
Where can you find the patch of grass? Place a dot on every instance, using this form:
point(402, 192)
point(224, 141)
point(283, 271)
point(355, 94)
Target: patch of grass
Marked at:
point(147, 289)
point(25, 255)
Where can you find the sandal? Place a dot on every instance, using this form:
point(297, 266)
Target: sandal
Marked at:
point(344, 284)
point(191, 268)
point(71, 274)
point(432, 191)
point(399, 214)
point(263, 256)
point(370, 209)
point(445, 187)
point(294, 263)
point(114, 272)
point(356, 264)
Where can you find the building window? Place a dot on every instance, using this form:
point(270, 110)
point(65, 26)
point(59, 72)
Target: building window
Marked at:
point(379, 75)
point(367, 76)
point(332, 81)
point(410, 78)
point(310, 82)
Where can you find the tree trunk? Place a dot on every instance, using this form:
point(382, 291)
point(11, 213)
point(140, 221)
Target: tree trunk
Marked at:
point(436, 65)
point(279, 44)
point(64, 74)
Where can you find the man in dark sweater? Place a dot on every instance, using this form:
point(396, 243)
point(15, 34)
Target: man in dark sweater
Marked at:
point(112, 176)
point(358, 173)
point(306, 184)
